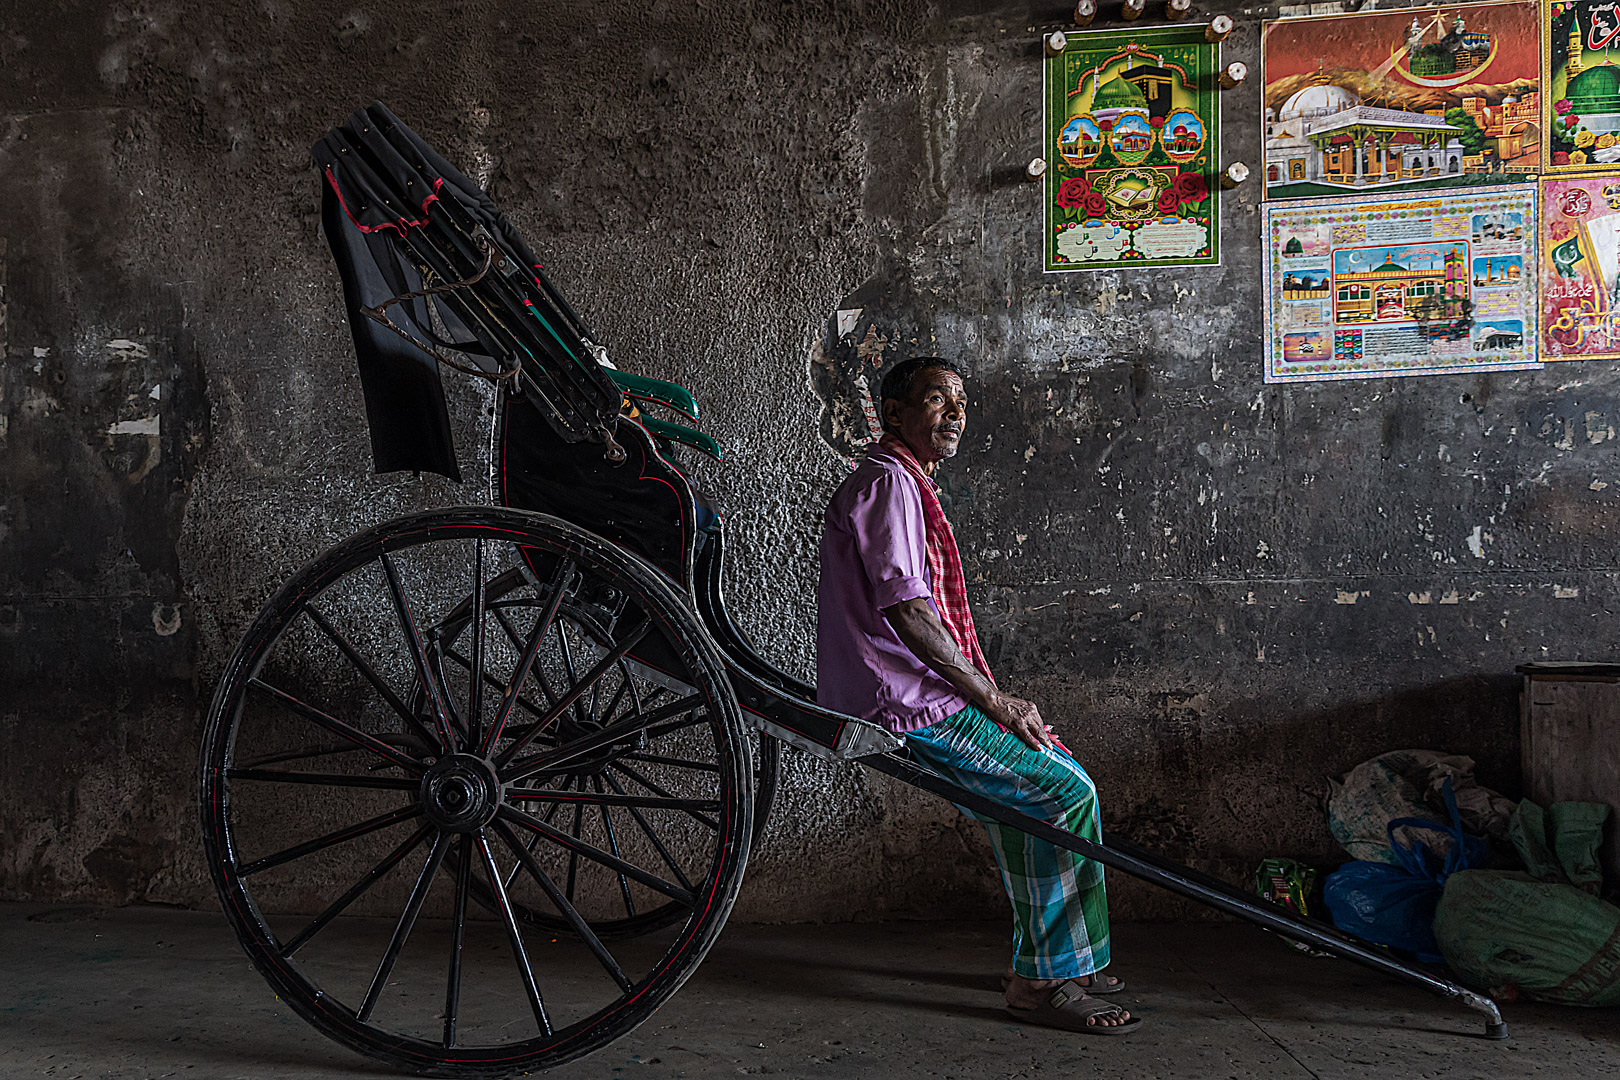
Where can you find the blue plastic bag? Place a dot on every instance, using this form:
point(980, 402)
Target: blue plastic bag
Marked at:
point(1394, 905)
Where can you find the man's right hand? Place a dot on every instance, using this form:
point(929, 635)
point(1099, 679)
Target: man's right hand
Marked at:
point(917, 625)
point(1021, 718)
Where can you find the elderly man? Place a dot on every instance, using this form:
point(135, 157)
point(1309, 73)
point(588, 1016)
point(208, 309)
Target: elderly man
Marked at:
point(896, 646)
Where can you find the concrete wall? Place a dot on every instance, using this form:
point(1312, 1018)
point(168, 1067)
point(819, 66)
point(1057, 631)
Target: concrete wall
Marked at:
point(1220, 592)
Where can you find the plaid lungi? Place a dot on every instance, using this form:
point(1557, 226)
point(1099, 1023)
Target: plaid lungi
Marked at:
point(1060, 905)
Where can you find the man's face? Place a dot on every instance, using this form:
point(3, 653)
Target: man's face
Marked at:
point(931, 422)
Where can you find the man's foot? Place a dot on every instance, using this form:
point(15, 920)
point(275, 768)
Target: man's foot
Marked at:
point(1099, 983)
point(1064, 1003)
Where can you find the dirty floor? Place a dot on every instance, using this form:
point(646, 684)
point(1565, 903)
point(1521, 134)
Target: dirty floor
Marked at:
point(94, 994)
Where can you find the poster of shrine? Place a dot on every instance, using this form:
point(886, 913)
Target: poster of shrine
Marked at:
point(1580, 268)
point(1132, 138)
point(1582, 105)
point(1404, 100)
point(1374, 285)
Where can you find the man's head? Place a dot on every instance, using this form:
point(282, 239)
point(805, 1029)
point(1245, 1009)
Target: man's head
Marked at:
point(925, 404)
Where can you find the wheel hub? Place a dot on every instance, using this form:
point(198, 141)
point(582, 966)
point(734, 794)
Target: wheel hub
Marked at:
point(460, 793)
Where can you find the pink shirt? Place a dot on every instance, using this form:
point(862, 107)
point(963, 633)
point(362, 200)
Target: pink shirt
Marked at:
point(874, 554)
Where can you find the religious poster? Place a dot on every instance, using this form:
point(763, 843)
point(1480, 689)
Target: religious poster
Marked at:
point(1580, 268)
point(1404, 100)
point(1395, 284)
point(1582, 103)
point(1132, 134)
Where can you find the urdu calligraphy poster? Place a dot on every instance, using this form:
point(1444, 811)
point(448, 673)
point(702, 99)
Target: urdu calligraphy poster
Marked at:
point(1132, 136)
point(1580, 268)
point(1404, 100)
point(1379, 285)
point(1581, 107)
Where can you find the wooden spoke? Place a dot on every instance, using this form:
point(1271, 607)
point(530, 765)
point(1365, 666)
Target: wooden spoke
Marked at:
point(563, 906)
point(662, 793)
point(458, 928)
point(600, 798)
point(370, 878)
point(573, 852)
point(517, 817)
point(338, 727)
point(574, 693)
point(658, 845)
point(321, 843)
point(515, 935)
point(531, 649)
point(679, 763)
point(586, 743)
point(613, 847)
point(568, 668)
point(402, 928)
point(413, 640)
point(369, 673)
point(517, 643)
point(618, 697)
point(494, 681)
point(391, 783)
point(475, 679)
point(534, 841)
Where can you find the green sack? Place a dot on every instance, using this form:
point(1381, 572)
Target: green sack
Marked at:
point(1561, 843)
point(1510, 935)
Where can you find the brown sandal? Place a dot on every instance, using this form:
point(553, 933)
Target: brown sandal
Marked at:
point(1072, 1009)
point(1115, 987)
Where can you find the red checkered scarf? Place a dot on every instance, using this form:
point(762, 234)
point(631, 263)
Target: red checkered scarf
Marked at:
point(944, 561)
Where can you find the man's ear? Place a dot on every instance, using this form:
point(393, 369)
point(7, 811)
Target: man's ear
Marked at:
point(891, 413)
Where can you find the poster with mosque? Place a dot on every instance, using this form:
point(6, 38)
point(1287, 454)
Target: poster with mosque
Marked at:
point(1582, 105)
point(1378, 284)
point(1132, 145)
point(1404, 100)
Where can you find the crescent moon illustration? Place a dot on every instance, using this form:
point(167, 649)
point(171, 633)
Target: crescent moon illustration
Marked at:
point(1440, 82)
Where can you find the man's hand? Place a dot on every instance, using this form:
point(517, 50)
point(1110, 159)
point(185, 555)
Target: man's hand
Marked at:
point(1021, 718)
point(918, 627)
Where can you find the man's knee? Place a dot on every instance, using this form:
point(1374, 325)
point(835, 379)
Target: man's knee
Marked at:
point(1077, 800)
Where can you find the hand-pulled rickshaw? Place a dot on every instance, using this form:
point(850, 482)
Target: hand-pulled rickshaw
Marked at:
point(540, 713)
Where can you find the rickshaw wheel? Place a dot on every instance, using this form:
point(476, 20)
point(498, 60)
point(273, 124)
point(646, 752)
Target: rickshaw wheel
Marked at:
point(513, 592)
point(345, 830)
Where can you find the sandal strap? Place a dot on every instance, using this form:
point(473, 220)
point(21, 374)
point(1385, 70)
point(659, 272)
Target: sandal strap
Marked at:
point(1071, 990)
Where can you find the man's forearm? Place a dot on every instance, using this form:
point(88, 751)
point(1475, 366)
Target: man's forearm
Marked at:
point(920, 630)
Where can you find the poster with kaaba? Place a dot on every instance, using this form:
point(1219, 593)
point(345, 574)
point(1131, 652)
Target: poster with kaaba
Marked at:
point(1406, 100)
point(1132, 136)
point(1581, 109)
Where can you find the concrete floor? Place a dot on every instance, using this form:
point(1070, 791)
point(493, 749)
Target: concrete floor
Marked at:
point(91, 994)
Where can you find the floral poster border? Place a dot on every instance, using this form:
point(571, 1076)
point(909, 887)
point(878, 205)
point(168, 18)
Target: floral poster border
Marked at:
point(1183, 190)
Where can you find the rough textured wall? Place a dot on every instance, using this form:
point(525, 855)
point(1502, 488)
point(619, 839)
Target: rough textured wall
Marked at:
point(1219, 592)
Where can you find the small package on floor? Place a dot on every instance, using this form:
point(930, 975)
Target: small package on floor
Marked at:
point(1286, 882)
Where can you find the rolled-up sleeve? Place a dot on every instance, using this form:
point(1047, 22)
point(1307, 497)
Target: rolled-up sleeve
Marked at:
point(886, 521)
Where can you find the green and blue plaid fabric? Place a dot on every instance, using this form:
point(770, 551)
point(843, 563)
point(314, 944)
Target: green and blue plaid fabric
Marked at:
point(1060, 905)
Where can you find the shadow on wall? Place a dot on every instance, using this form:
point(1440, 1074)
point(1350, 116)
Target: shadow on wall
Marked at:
point(1211, 791)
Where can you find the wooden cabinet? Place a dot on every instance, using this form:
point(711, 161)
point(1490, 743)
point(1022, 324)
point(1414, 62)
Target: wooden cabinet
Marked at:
point(1570, 742)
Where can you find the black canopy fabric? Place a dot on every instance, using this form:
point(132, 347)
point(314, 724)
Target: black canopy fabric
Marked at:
point(392, 207)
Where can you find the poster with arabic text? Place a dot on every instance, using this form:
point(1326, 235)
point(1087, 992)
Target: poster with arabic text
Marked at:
point(1132, 137)
point(1419, 284)
point(1580, 268)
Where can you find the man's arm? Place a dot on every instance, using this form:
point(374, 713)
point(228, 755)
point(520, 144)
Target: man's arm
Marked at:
point(916, 624)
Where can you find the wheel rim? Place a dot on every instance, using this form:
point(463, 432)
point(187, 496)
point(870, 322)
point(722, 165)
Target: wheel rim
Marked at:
point(583, 753)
